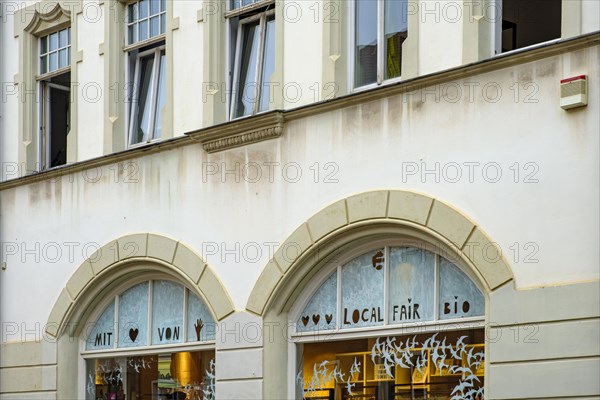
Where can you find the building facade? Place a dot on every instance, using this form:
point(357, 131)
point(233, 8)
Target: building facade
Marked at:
point(255, 199)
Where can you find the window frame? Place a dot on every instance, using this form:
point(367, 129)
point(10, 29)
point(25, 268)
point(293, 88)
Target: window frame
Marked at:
point(147, 350)
point(296, 339)
point(380, 47)
point(263, 17)
point(134, 86)
point(43, 86)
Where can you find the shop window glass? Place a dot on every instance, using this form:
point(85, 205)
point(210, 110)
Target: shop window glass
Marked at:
point(201, 326)
point(321, 311)
point(161, 376)
point(459, 297)
point(412, 274)
point(133, 316)
point(425, 366)
point(362, 291)
point(102, 333)
point(167, 313)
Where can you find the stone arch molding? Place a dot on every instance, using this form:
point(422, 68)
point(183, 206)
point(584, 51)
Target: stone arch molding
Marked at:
point(363, 217)
point(48, 16)
point(117, 260)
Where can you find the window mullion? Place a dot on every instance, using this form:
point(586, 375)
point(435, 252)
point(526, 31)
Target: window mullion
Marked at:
point(380, 40)
point(259, 66)
point(116, 325)
point(236, 72)
point(153, 92)
point(134, 108)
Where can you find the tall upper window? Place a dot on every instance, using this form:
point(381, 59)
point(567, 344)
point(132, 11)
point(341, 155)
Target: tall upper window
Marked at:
point(395, 322)
point(146, 56)
point(527, 22)
point(54, 90)
point(379, 31)
point(252, 51)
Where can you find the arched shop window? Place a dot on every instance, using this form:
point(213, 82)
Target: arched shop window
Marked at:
point(152, 341)
point(393, 323)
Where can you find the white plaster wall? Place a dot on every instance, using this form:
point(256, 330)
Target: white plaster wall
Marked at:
point(440, 35)
point(188, 68)
point(302, 54)
point(370, 146)
point(90, 89)
point(590, 16)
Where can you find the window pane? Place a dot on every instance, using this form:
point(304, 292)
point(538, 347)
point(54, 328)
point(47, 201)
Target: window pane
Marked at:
point(366, 42)
point(395, 35)
point(69, 55)
point(53, 61)
point(459, 297)
point(154, 7)
point(321, 311)
point(268, 66)
point(102, 334)
point(132, 33)
point(160, 101)
point(132, 12)
point(167, 312)
point(160, 376)
point(62, 58)
point(63, 40)
point(411, 282)
point(443, 365)
point(53, 41)
point(246, 89)
point(43, 64)
point(143, 9)
point(362, 291)
point(143, 30)
point(142, 103)
point(44, 45)
point(133, 316)
point(154, 26)
point(162, 23)
point(201, 325)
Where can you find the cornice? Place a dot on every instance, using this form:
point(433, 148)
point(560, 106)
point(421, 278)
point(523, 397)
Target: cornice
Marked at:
point(270, 125)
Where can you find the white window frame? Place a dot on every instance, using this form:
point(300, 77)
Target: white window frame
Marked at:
point(43, 90)
point(408, 328)
point(113, 297)
point(57, 51)
point(162, 15)
point(263, 18)
point(496, 37)
point(380, 47)
point(134, 86)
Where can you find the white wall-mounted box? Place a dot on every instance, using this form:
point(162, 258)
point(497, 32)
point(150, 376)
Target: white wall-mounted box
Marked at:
point(573, 92)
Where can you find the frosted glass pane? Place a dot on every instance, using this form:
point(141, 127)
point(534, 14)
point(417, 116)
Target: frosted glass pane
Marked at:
point(201, 325)
point(321, 311)
point(167, 312)
point(102, 335)
point(133, 316)
point(362, 291)
point(412, 284)
point(459, 297)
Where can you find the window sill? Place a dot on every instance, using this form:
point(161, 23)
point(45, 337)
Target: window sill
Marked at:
point(52, 74)
point(147, 42)
point(376, 85)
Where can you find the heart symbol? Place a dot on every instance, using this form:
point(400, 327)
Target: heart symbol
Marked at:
point(316, 318)
point(305, 320)
point(328, 318)
point(133, 333)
